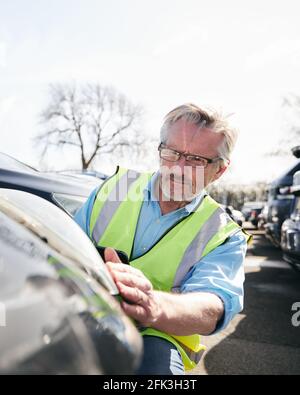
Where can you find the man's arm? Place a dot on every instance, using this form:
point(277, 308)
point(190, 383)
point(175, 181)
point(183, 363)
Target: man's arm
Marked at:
point(211, 293)
point(172, 313)
point(187, 314)
point(221, 272)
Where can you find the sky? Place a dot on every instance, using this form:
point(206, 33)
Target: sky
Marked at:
point(240, 57)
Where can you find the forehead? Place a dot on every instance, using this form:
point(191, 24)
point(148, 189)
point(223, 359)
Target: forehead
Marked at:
point(188, 137)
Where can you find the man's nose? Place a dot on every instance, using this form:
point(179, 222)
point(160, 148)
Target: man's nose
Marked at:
point(181, 162)
point(184, 166)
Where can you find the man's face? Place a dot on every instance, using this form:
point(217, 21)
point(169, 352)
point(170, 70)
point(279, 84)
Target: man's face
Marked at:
point(180, 180)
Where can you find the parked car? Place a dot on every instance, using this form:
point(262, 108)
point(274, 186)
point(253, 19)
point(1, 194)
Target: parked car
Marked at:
point(85, 173)
point(59, 311)
point(263, 217)
point(290, 231)
point(280, 205)
point(236, 215)
point(255, 212)
point(248, 207)
point(66, 191)
point(296, 151)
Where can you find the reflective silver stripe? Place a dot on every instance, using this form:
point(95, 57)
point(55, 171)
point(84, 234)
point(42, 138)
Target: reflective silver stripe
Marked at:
point(195, 250)
point(192, 355)
point(113, 202)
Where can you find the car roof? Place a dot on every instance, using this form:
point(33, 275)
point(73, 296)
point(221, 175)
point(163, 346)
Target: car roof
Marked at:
point(286, 179)
point(14, 174)
point(254, 204)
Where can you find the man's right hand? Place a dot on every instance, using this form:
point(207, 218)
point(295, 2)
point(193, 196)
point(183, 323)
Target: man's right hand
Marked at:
point(143, 302)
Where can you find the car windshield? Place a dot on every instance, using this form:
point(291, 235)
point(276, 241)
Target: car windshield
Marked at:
point(9, 163)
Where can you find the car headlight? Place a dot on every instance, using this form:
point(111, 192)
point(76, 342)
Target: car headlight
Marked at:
point(70, 203)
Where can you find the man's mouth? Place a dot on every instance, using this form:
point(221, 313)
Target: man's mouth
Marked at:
point(178, 180)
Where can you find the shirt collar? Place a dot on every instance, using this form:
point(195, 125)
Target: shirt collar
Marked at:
point(151, 193)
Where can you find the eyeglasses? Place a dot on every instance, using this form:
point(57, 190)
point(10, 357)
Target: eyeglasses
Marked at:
point(194, 160)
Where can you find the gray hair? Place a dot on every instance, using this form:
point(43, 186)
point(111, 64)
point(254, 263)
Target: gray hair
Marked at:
point(202, 118)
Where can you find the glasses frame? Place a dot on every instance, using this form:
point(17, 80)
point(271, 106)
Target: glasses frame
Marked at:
point(186, 156)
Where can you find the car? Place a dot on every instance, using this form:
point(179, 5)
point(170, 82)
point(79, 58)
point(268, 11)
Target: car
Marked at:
point(262, 217)
point(85, 174)
point(296, 151)
point(59, 307)
point(280, 204)
point(290, 231)
point(65, 191)
point(236, 215)
point(255, 213)
point(249, 207)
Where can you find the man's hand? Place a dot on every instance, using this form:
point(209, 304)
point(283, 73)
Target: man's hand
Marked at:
point(178, 314)
point(142, 301)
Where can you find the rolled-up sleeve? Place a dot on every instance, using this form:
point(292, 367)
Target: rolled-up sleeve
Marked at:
point(221, 272)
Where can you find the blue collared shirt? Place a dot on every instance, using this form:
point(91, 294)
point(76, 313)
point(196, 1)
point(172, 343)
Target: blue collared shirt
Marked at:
point(220, 272)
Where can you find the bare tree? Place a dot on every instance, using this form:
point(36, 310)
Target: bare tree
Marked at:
point(93, 118)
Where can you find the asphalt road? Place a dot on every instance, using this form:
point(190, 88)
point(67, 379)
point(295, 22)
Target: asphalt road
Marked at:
point(262, 339)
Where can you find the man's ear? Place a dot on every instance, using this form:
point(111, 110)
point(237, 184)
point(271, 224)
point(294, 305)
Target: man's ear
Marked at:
point(221, 170)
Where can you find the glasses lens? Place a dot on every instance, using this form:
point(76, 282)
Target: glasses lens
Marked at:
point(196, 161)
point(169, 155)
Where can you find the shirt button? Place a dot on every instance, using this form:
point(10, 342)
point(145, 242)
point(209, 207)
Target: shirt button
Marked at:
point(157, 221)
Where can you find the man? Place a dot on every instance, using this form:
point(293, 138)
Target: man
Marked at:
point(185, 276)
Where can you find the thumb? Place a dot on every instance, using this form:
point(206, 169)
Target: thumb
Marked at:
point(110, 255)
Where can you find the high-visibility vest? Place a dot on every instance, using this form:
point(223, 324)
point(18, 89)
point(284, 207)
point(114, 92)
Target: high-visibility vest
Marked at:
point(113, 224)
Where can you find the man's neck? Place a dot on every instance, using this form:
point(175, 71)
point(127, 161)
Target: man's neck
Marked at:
point(168, 206)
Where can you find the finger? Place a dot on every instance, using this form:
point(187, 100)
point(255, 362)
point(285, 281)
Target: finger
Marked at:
point(133, 295)
point(114, 268)
point(133, 281)
point(135, 311)
point(110, 255)
point(125, 269)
